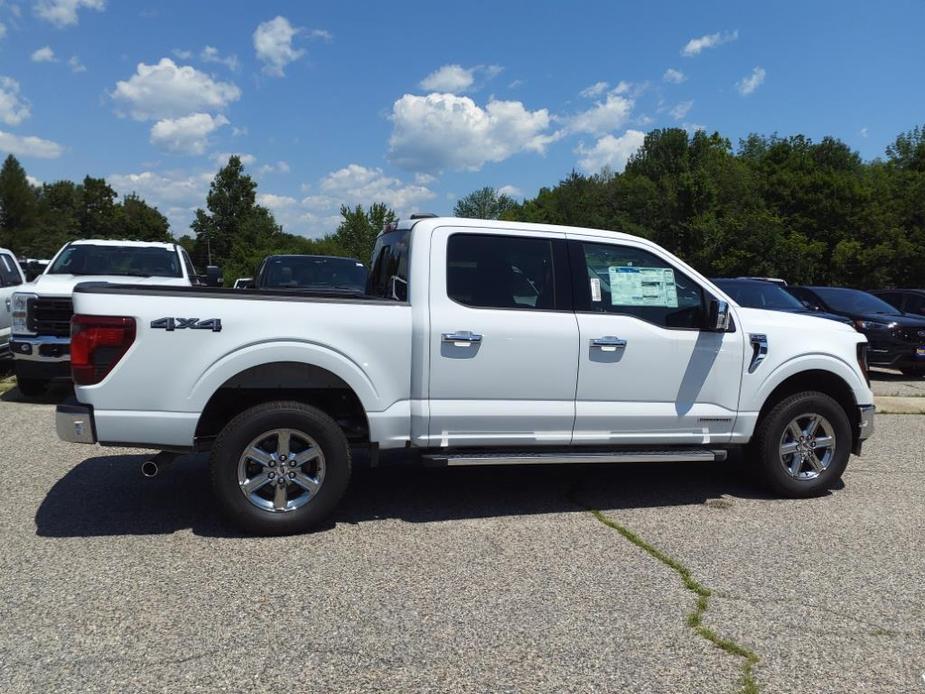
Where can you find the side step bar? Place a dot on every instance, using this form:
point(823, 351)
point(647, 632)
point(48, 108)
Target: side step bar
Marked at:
point(686, 455)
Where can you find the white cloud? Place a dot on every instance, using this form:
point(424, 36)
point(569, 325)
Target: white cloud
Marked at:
point(594, 90)
point(863, 132)
point(276, 202)
point(604, 116)
point(751, 82)
point(515, 84)
point(2, 30)
point(63, 13)
point(13, 109)
point(75, 64)
point(210, 54)
point(273, 43)
point(673, 76)
point(355, 184)
point(277, 167)
point(166, 90)
point(176, 194)
point(29, 146)
point(445, 131)
point(321, 34)
point(33, 181)
point(454, 79)
point(511, 191)
point(449, 78)
point(45, 54)
point(610, 151)
point(695, 46)
point(182, 54)
point(221, 158)
point(186, 135)
point(681, 109)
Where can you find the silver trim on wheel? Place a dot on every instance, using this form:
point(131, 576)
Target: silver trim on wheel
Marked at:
point(281, 470)
point(807, 446)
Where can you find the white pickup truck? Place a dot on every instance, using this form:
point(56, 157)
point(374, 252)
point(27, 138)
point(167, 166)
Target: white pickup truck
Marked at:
point(477, 342)
point(42, 309)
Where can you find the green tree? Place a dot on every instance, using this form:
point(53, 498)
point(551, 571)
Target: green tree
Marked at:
point(18, 204)
point(231, 201)
point(484, 203)
point(98, 215)
point(359, 227)
point(138, 221)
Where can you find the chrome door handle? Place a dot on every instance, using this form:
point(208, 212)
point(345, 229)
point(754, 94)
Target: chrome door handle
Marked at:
point(462, 336)
point(608, 342)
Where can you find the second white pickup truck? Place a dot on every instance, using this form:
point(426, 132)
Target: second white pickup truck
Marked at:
point(477, 342)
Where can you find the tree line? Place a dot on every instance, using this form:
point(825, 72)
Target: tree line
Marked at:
point(808, 212)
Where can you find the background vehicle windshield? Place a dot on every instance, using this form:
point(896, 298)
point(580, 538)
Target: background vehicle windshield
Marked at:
point(760, 295)
point(90, 259)
point(313, 272)
point(854, 301)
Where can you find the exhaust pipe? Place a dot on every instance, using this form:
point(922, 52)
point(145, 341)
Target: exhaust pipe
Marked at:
point(153, 467)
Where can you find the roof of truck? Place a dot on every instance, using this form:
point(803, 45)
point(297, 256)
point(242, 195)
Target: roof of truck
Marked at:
point(501, 226)
point(116, 242)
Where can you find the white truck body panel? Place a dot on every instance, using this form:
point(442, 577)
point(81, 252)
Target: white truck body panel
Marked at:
point(531, 380)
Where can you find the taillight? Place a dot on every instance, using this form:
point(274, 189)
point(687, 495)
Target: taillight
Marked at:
point(862, 361)
point(97, 345)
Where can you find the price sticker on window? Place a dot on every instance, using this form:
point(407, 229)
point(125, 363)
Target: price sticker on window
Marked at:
point(643, 286)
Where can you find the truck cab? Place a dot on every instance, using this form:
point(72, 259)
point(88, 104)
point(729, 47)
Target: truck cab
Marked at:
point(11, 278)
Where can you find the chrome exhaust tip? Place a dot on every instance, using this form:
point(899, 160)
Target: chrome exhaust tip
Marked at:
point(149, 469)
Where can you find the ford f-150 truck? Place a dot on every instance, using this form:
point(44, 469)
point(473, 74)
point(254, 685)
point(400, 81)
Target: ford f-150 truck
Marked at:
point(476, 342)
point(42, 310)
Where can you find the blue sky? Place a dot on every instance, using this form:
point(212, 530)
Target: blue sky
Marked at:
point(418, 103)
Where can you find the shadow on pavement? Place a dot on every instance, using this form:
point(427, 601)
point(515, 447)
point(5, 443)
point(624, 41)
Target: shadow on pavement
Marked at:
point(57, 393)
point(107, 495)
point(877, 374)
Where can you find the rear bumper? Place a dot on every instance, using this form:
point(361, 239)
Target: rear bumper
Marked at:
point(42, 349)
point(74, 423)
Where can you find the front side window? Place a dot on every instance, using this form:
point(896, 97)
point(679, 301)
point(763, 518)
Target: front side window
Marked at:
point(132, 261)
point(632, 281)
point(9, 275)
point(491, 271)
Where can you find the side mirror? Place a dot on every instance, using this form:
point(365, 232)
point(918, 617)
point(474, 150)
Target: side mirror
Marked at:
point(718, 317)
point(213, 276)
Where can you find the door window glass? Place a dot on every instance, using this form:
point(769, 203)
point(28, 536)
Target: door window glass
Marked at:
point(9, 275)
point(632, 281)
point(492, 271)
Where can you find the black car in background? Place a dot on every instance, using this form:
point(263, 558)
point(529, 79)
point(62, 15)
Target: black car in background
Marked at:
point(895, 339)
point(906, 300)
point(323, 273)
point(769, 295)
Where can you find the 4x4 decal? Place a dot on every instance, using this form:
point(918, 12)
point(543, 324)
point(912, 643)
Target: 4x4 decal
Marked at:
point(171, 324)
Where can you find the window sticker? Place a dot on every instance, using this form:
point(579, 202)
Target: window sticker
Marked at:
point(643, 286)
point(595, 289)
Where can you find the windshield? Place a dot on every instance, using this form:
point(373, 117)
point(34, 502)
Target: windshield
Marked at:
point(760, 295)
point(132, 261)
point(854, 301)
point(313, 272)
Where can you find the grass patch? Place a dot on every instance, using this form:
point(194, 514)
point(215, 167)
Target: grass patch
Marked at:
point(7, 384)
point(748, 683)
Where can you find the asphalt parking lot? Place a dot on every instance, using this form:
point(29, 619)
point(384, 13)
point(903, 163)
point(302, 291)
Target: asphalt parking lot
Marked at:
point(472, 579)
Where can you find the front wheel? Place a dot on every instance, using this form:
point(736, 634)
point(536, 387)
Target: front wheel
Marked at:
point(280, 468)
point(802, 445)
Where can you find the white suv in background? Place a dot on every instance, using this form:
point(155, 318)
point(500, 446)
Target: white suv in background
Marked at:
point(41, 316)
point(11, 277)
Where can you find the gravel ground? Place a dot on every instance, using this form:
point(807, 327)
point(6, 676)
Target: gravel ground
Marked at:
point(458, 580)
point(887, 382)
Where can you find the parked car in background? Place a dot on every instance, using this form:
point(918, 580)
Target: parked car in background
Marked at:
point(312, 272)
point(769, 295)
point(243, 283)
point(42, 310)
point(910, 301)
point(32, 267)
point(11, 278)
point(896, 339)
point(477, 342)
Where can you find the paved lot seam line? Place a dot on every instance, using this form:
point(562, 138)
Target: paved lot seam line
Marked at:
point(695, 619)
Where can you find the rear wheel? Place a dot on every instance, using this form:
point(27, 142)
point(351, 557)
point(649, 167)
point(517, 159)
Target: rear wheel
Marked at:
point(802, 445)
point(280, 468)
point(31, 387)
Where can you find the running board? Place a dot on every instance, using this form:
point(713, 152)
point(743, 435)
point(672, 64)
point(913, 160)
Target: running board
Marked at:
point(673, 455)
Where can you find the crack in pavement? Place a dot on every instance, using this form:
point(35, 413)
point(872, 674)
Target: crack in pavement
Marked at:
point(748, 683)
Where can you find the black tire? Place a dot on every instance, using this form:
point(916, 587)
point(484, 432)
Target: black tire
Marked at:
point(31, 387)
point(252, 423)
point(767, 443)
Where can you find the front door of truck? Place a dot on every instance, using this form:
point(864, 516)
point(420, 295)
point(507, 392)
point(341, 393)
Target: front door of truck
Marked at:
point(648, 372)
point(503, 339)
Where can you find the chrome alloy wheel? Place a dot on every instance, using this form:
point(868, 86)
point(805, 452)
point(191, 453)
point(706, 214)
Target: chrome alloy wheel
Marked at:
point(281, 470)
point(807, 446)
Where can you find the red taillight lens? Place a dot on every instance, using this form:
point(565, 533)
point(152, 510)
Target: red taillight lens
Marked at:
point(97, 345)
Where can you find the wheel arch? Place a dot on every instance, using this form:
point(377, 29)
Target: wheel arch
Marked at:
point(816, 379)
